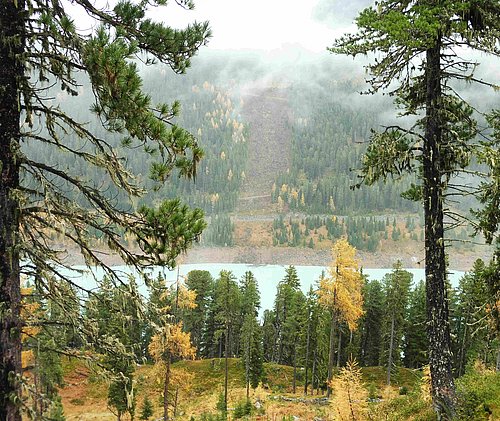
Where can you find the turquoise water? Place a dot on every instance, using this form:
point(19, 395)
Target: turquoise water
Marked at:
point(268, 276)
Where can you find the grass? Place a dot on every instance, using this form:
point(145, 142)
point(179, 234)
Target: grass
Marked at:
point(84, 398)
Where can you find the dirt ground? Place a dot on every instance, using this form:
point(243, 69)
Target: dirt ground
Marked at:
point(262, 255)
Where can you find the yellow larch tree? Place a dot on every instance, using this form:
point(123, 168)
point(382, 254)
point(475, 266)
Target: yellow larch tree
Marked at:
point(349, 402)
point(340, 293)
point(171, 341)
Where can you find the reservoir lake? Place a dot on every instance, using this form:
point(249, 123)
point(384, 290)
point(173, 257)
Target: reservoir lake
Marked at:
point(267, 276)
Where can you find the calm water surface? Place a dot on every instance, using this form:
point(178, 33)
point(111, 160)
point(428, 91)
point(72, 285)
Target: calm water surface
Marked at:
point(268, 276)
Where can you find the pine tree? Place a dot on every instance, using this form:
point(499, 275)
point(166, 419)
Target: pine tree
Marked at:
point(251, 333)
point(287, 312)
point(115, 312)
point(397, 289)
point(415, 339)
point(251, 351)
point(416, 45)
point(41, 49)
point(121, 391)
point(473, 332)
point(312, 320)
point(157, 300)
point(201, 282)
point(147, 409)
point(371, 323)
point(268, 335)
point(491, 276)
point(228, 300)
point(340, 293)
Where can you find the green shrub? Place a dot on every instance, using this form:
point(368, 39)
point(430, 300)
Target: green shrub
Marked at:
point(478, 394)
point(243, 409)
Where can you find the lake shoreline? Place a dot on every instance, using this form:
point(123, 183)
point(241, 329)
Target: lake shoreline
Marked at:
point(458, 260)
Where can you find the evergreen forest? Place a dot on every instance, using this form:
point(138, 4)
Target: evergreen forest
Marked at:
point(129, 148)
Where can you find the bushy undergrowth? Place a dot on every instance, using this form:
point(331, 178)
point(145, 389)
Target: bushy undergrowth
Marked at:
point(478, 394)
point(243, 409)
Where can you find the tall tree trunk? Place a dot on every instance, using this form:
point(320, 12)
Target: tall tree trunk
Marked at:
point(331, 355)
point(339, 348)
point(165, 388)
point(438, 328)
point(313, 372)
point(175, 401)
point(498, 361)
point(11, 75)
point(226, 368)
point(391, 346)
point(247, 365)
point(364, 341)
point(280, 337)
point(307, 355)
point(461, 364)
point(294, 369)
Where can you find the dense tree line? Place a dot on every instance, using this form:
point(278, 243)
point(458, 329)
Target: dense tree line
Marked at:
point(364, 233)
point(219, 231)
point(208, 111)
point(344, 315)
point(328, 140)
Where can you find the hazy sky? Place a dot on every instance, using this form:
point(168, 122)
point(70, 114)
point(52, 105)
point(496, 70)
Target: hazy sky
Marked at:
point(269, 24)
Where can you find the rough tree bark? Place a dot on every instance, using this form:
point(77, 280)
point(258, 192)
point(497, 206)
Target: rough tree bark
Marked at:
point(11, 74)
point(438, 328)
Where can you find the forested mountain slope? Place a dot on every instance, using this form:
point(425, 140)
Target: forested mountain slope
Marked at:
point(281, 153)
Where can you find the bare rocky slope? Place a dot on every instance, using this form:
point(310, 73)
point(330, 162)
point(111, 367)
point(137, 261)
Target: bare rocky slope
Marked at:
point(267, 113)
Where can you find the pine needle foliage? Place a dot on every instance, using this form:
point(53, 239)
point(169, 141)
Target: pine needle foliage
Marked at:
point(422, 57)
point(45, 55)
point(349, 394)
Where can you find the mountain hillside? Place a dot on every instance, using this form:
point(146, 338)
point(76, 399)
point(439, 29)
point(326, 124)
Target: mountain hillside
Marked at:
point(267, 114)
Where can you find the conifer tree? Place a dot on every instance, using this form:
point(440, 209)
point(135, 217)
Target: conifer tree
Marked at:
point(415, 339)
point(251, 351)
point(397, 289)
point(201, 282)
point(268, 335)
point(417, 43)
point(146, 409)
point(349, 400)
point(114, 312)
point(371, 323)
point(170, 340)
point(491, 276)
point(228, 300)
point(473, 335)
point(286, 309)
point(251, 333)
point(311, 311)
point(340, 293)
point(42, 50)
